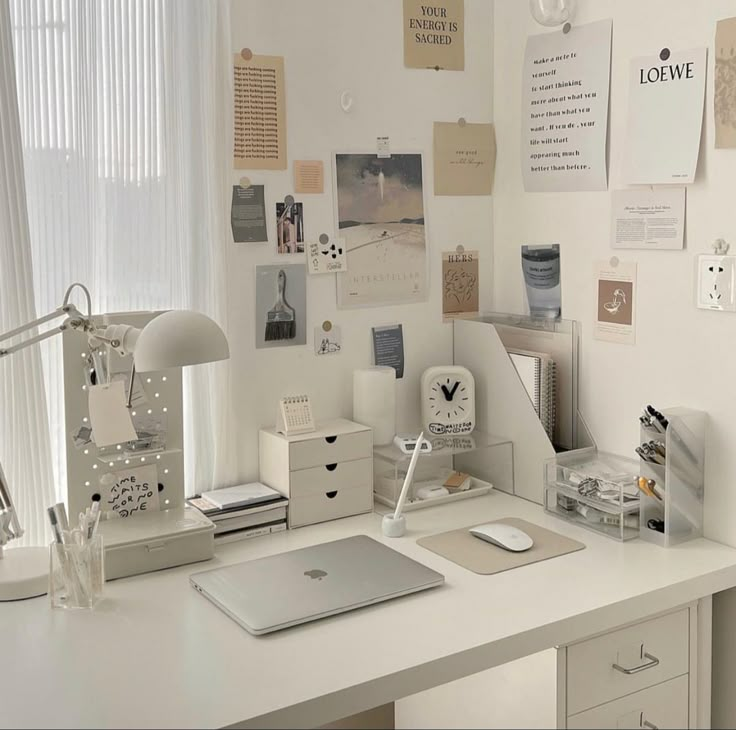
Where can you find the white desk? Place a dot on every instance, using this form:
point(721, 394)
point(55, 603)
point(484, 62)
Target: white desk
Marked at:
point(157, 654)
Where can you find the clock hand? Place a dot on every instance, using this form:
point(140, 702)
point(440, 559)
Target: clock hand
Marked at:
point(448, 395)
point(454, 388)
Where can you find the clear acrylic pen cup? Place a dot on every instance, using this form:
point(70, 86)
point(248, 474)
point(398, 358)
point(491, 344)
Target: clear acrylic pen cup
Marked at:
point(76, 574)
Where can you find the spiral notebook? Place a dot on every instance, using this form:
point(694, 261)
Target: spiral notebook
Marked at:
point(537, 372)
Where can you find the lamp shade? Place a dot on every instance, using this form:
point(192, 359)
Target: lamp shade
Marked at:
point(178, 338)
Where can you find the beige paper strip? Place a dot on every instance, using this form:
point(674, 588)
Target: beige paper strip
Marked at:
point(725, 85)
point(259, 114)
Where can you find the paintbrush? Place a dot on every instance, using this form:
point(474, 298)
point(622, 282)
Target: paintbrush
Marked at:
point(281, 318)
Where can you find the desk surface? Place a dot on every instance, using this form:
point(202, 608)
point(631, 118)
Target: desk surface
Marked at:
point(157, 654)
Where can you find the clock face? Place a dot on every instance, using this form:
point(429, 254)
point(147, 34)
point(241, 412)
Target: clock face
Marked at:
point(448, 400)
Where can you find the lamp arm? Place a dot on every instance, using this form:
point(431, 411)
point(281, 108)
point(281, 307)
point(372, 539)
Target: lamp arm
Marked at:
point(10, 528)
point(74, 320)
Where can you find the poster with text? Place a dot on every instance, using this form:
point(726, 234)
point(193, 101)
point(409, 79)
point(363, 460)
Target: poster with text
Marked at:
point(565, 109)
point(464, 158)
point(665, 118)
point(248, 214)
point(725, 84)
point(380, 215)
point(434, 34)
point(615, 302)
point(259, 113)
point(652, 218)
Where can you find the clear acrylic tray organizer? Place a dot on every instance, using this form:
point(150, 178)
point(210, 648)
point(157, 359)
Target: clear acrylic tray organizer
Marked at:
point(596, 490)
point(486, 459)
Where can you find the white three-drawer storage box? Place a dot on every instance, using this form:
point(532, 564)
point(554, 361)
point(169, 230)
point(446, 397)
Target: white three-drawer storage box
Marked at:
point(326, 474)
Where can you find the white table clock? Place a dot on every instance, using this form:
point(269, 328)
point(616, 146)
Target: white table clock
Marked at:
point(448, 400)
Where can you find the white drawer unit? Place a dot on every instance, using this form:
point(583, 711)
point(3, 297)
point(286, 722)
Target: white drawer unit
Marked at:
point(626, 661)
point(662, 706)
point(326, 474)
point(639, 675)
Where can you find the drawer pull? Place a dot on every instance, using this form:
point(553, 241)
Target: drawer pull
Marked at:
point(653, 661)
point(330, 439)
point(330, 467)
point(331, 495)
point(650, 725)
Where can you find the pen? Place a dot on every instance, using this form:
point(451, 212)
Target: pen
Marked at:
point(409, 477)
point(51, 511)
point(61, 519)
point(94, 519)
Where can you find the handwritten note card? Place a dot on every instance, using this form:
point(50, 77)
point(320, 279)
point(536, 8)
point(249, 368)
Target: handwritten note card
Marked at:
point(327, 256)
point(565, 109)
point(130, 492)
point(259, 124)
point(464, 158)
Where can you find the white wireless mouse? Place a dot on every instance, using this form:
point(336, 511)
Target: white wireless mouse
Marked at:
point(505, 536)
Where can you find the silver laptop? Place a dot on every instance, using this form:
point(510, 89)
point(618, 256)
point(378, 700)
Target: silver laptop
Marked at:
point(292, 588)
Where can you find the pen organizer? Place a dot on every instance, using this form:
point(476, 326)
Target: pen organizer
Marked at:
point(675, 513)
point(76, 574)
point(595, 490)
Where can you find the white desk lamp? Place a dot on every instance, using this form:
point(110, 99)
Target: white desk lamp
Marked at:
point(173, 339)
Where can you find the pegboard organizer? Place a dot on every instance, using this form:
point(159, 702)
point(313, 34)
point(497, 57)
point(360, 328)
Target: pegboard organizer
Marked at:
point(163, 403)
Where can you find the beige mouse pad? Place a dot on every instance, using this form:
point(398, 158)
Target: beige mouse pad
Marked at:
point(482, 557)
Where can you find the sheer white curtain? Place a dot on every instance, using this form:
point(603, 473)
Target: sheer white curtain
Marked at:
point(125, 115)
point(24, 434)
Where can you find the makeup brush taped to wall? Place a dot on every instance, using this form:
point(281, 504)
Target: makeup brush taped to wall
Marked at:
point(281, 318)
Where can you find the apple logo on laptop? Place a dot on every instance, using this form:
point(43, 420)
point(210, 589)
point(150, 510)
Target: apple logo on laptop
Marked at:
point(314, 573)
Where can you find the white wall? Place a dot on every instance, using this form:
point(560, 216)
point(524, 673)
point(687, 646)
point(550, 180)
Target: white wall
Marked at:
point(683, 356)
point(330, 46)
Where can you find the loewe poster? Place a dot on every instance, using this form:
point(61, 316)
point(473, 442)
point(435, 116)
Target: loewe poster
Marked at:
point(666, 97)
point(380, 211)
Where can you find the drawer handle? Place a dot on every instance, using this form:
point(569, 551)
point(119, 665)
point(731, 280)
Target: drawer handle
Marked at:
point(653, 661)
point(331, 495)
point(330, 439)
point(330, 467)
point(650, 725)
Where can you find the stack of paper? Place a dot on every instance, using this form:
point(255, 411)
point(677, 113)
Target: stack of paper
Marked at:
point(247, 510)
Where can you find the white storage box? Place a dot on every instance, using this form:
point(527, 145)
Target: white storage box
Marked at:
point(326, 474)
point(155, 541)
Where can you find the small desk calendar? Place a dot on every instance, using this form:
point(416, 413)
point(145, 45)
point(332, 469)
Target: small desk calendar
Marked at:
point(295, 415)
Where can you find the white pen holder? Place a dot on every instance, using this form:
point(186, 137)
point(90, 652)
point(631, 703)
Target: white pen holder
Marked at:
point(393, 526)
point(76, 574)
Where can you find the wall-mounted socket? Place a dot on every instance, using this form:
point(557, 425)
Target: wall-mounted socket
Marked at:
point(716, 283)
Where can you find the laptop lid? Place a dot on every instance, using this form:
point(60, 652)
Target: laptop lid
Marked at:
point(303, 585)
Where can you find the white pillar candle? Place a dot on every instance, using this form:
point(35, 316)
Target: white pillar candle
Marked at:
point(374, 402)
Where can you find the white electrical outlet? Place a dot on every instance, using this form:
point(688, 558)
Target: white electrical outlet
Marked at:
point(716, 285)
